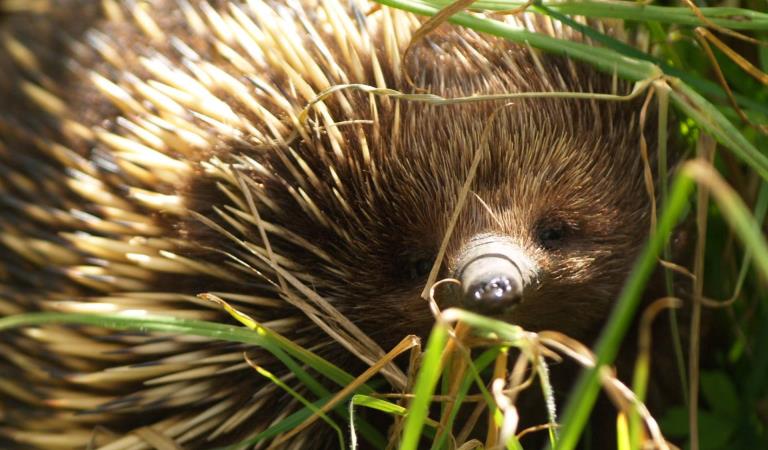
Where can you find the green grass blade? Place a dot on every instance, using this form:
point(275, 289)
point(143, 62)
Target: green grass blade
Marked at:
point(588, 386)
point(476, 367)
point(733, 18)
point(735, 212)
point(283, 426)
point(602, 58)
point(378, 404)
point(264, 338)
point(143, 323)
point(761, 208)
point(426, 381)
point(307, 404)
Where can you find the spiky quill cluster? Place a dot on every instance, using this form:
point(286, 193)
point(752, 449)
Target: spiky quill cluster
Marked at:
point(147, 149)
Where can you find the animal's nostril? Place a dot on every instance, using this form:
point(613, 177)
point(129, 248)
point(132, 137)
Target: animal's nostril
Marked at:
point(500, 292)
point(497, 288)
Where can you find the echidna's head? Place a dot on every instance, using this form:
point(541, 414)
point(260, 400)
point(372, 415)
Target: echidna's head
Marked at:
point(554, 216)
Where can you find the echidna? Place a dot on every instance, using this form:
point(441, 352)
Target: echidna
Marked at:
point(148, 148)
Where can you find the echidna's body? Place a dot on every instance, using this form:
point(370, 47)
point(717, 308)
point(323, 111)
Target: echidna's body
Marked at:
point(139, 141)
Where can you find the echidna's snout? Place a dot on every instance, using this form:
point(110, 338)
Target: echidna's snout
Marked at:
point(494, 274)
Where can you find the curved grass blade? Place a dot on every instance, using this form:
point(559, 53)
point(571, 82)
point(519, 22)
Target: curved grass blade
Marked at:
point(587, 387)
point(426, 381)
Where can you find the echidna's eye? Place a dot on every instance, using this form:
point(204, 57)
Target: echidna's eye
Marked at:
point(551, 234)
point(420, 268)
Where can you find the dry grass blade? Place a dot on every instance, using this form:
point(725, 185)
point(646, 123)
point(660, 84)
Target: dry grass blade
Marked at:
point(706, 151)
point(510, 415)
point(647, 172)
point(430, 25)
point(643, 361)
point(701, 34)
point(534, 429)
point(458, 361)
point(626, 401)
point(243, 182)
point(623, 397)
point(322, 313)
point(406, 344)
point(499, 374)
point(638, 88)
point(646, 322)
point(677, 268)
point(471, 445)
point(704, 37)
point(748, 67)
point(715, 26)
point(460, 201)
point(156, 439)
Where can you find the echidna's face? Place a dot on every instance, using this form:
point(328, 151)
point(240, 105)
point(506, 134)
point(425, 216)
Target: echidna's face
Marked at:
point(552, 222)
